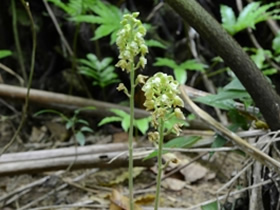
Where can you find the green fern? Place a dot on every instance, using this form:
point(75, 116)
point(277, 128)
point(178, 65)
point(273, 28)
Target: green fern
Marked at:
point(252, 14)
point(74, 7)
point(101, 71)
point(107, 16)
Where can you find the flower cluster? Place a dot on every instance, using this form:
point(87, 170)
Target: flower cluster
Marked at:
point(161, 92)
point(131, 43)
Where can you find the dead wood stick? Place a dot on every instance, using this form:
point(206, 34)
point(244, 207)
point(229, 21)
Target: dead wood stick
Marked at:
point(62, 152)
point(98, 160)
point(50, 99)
point(65, 102)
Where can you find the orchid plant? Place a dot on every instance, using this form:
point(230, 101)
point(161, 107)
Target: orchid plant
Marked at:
point(131, 46)
point(162, 98)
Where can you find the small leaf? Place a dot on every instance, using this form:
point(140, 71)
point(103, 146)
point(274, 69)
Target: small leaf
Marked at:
point(232, 94)
point(276, 44)
point(182, 142)
point(155, 43)
point(126, 123)
point(179, 142)
point(210, 206)
point(87, 19)
point(119, 112)
point(143, 124)
point(165, 62)
point(107, 120)
point(80, 138)
point(235, 84)
point(218, 142)
point(180, 75)
point(259, 58)
point(228, 18)
point(52, 111)
point(81, 121)
point(69, 124)
point(210, 100)
point(193, 65)
point(5, 53)
point(86, 129)
point(102, 31)
point(269, 72)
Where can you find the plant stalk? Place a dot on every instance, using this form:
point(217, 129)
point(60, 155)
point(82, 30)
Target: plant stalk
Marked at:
point(160, 146)
point(17, 42)
point(130, 138)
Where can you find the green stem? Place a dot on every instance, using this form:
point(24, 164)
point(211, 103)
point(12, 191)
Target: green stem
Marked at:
point(130, 138)
point(17, 42)
point(29, 82)
point(160, 146)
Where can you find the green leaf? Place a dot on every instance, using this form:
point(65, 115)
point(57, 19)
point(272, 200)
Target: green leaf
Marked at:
point(69, 124)
point(86, 129)
point(252, 14)
point(52, 111)
point(269, 72)
point(276, 44)
point(210, 100)
point(126, 123)
point(107, 120)
point(5, 53)
point(235, 84)
point(80, 137)
point(165, 62)
point(238, 120)
point(172, 120)
point(232, 94)
point(106, 62)
point(180, 75)
point(218, 142)
point(259, 58)
point(182, 142)
point(179, 142)
point(228, 18)
point(81, 121)
point(155, 43)
point(143, 124)
point(87, 19)
point(210, 206)
point(101, 71)
point(245, 17)
point(192, 65)
point(103, 30)
point(120, 112)
point(180, 70)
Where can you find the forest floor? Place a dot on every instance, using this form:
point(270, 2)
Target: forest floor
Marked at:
point(98, 188)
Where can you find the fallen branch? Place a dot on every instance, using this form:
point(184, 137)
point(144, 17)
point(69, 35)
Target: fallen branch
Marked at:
point(65, 102)
point(97, 156)
point(58, 100)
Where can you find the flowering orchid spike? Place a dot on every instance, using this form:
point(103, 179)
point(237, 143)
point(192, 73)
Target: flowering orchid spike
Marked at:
point(131, 43)
point(162, 98)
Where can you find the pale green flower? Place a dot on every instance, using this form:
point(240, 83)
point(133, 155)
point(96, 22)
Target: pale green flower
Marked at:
point(131, 43)
point(162, 98)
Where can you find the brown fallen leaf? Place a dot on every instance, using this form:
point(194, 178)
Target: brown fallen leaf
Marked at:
point(194, 172)
point(124, 176)
point(173, 184)
point(120, 202)
point(145, 199)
